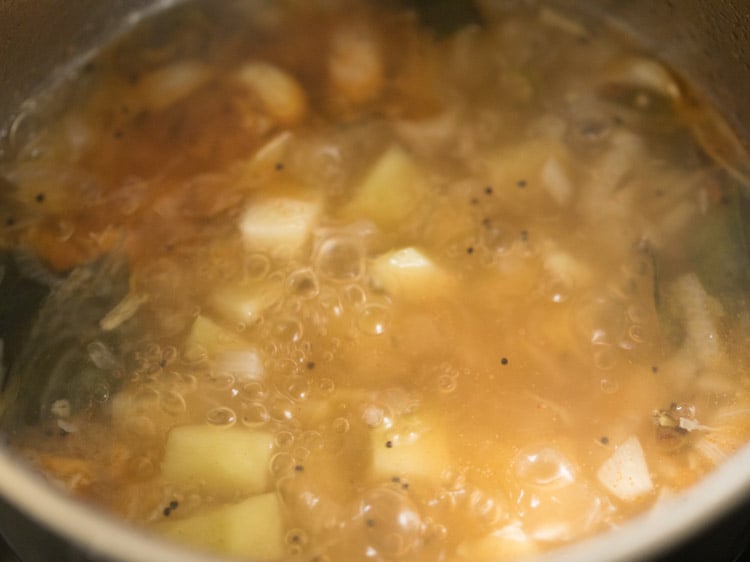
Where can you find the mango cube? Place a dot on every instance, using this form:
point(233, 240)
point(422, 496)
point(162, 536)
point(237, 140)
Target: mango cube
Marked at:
point(245, 305)
point(625, 474)
point(280, 226)
point(209, 335)
point(225, 462)
point(390, 191)
point(410, 448)
point(410, 274)
point(252, 529)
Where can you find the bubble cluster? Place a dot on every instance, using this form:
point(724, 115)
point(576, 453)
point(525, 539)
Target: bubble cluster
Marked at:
point(392, 523)
point(553, 500)
point(545, 467)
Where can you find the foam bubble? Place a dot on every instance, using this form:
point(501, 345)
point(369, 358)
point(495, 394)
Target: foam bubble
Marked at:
point(446, 383)
point(355, 295)
point(254, 391)
point(637, 333)
point(544, 467)
point(193, 354)
point(340, 425)
point(101, 356)
point(374, 319)
point(284, 439)
point(301, 454)
point(146, 399)
point(173, 403)
point(392, 523)
point(254, 414)
point(326, 386)
point(100, 393)
point(605, 357)
point(296, 538)
point(221, 416)
point(609, 386)
point(303, 283)
point(281, 464)
point(282, 410)
point(288, 330)
point(141, 426)
point(297, 387)
point(340, 258)
point(220, 380)
point(257, 267)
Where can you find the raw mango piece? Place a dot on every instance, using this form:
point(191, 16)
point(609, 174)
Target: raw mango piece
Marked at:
point(507, 543)
point(410, 274)
point(280, 226)
point(245, 305)
point(209, 335)
point(277, 91)
point(355, 66)
point(534, 173)
point(412, 448)
point(252, 529)
point(390, 191)
point(226, 462)
point(246, 364)
point(170, 84)
point(625, 474)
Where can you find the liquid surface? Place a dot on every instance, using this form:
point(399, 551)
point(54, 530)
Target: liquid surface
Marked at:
point(344, 288)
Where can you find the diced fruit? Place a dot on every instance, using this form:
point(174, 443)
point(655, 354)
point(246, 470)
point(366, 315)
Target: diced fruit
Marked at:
point(355, 67)
point(225, 462)
point(565, 268)
point(168, 85)
point(411, 448)
point(507, 543)
point(246, 364)
point(245, 305)
point(209, 335)
point(531, 173)
point(410, 274)
point(625, 474)
point(252, 529)
point(390, 191)
point(280, 226)
point(276, 90)
point(265, 161)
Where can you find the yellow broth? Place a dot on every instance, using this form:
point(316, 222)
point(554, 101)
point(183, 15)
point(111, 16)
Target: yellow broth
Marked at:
point(389, 293)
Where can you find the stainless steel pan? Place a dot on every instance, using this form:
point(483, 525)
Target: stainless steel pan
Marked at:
point(708, 41)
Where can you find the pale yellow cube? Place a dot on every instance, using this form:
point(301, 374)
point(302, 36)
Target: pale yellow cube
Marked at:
point(410, 274)
point(244, 305)
point(625, 474)
point(280, 226)
point(390, 191)
point(224, 462)
point(506, 543)
point(412, 448)
point(252, 529)
point(212, 337)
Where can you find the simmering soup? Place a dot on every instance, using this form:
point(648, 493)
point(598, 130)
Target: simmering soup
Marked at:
point(321, 281)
